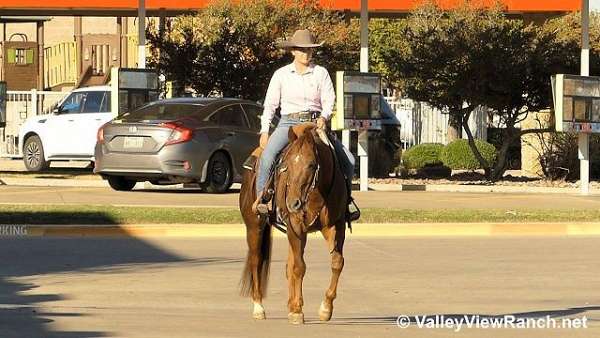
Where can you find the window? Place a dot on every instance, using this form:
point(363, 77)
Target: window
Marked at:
point(253, 112)
point(96, 102)
point(162, 112)
point(230, 116)
point(72, 105)
point(100, 59)
point(20, 56)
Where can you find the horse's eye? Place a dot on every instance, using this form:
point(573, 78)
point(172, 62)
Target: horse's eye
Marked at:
point(312, 166)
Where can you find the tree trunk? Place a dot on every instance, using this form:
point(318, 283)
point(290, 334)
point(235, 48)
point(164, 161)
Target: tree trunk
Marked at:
point(510, 135)
point(486, 166)
point(501, 163)
point(454, 127)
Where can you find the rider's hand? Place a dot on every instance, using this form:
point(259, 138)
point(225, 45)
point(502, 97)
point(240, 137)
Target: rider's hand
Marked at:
point(264, 137)
point(322, 123)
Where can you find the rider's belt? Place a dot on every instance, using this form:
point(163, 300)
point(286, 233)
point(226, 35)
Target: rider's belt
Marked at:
point(304, 116)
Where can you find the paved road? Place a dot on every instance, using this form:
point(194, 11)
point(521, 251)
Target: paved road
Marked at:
point(371, 199)
point(100, 287)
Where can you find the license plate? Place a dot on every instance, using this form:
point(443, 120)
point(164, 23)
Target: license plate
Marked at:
point(133, 142)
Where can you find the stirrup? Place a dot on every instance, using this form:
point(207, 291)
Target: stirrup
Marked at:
point(260, 207)
point(352, 216)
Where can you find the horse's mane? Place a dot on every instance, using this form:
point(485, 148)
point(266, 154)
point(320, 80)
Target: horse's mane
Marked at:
point(305, 133)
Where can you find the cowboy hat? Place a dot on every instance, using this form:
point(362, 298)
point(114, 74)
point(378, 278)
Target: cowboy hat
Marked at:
point(302, 38)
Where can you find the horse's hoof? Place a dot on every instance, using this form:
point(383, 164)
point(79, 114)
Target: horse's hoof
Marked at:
point(259, 315)
point(258, 312)
point(324, 313)
point(296, 318)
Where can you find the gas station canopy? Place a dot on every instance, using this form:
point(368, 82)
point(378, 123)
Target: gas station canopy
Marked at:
point(174, 7)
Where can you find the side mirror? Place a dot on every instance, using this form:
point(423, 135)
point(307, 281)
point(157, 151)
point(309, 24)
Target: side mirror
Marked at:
point(56, 111)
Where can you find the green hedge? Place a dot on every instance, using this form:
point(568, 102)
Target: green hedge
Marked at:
point(419, 156)
point(458, 155)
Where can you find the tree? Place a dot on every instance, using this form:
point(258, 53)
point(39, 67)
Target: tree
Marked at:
point(231, 49)
point(468, 57)
point(384, 35)
point(427, 63)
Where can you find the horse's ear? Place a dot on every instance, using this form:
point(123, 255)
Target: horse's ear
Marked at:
point(292, 135)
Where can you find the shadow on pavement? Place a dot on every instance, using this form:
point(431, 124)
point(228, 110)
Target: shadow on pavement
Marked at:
point(56, 217)
point(23, 257)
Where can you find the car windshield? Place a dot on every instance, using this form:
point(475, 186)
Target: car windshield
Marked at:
point(164, 112)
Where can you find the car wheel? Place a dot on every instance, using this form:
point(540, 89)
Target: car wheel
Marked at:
point(219, 176)
point(121, 183)
point(33, 154)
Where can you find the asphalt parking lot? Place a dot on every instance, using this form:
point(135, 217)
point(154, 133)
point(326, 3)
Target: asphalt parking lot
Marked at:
point(153, 287)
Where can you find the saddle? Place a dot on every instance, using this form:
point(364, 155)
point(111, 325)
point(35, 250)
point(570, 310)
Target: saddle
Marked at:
point(251, 164)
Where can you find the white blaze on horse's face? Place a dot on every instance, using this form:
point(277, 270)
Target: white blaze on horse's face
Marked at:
point(297, 159)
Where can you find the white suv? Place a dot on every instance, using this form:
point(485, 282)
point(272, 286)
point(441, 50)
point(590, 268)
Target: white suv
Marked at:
point(69, 133)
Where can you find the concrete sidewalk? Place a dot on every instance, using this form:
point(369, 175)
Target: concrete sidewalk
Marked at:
point(75, 174)
point(177, 198)
point(89, 181)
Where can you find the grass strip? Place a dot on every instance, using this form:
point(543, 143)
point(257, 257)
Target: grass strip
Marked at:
point(93, 214)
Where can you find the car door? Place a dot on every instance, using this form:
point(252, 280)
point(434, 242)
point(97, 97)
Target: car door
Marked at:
point(94, 113)
point(238, 137)
point(59, 130)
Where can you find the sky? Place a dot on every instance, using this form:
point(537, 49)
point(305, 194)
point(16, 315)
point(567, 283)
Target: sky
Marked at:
point(595, 5)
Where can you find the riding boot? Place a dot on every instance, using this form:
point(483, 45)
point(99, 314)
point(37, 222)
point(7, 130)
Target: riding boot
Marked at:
point(260, 206)
point(351, 216)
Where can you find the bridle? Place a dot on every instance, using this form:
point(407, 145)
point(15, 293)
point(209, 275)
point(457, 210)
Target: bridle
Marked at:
point(314, 179)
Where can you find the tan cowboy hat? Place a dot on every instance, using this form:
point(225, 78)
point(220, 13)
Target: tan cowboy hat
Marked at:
point(302, 38)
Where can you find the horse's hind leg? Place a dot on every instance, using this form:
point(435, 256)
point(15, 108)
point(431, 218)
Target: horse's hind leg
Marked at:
point(257, 266)
point(335, 236)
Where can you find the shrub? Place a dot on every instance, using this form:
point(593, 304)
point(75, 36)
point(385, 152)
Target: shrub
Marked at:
point(419, 156)
point(559, 156)
point(458, 155)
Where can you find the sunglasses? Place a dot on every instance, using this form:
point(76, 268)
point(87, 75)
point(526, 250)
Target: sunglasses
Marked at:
point(303, 49)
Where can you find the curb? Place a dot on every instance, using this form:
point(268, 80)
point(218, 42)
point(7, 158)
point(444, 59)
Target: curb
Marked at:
point(53, 182)
point(475, 188)
point(360, 230)
point(85, 183)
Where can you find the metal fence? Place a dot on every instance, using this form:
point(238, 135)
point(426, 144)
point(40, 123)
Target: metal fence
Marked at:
point(421, 123)
point(21, 105)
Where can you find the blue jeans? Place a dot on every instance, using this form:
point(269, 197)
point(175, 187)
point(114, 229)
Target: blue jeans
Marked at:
point(279, 139)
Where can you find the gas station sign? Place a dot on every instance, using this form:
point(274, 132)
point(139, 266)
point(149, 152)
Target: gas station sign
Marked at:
point(133, 87)
point(576, 103)
point(358, 101)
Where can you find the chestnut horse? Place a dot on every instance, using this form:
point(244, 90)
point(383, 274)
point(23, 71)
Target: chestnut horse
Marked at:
point(310, 194)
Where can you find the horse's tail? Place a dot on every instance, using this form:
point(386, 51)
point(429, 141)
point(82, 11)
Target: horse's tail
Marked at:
point(264, 263)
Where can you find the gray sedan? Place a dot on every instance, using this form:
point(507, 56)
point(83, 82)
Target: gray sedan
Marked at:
point(183, 140)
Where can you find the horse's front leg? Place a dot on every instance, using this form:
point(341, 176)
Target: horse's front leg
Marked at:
point(256, 260)
point(295, 271)
point(335, 236)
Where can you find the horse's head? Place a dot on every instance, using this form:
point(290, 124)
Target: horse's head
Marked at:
point(301, 165)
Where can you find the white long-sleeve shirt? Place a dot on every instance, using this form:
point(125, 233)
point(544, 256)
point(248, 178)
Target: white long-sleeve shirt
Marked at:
point(295, 92)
